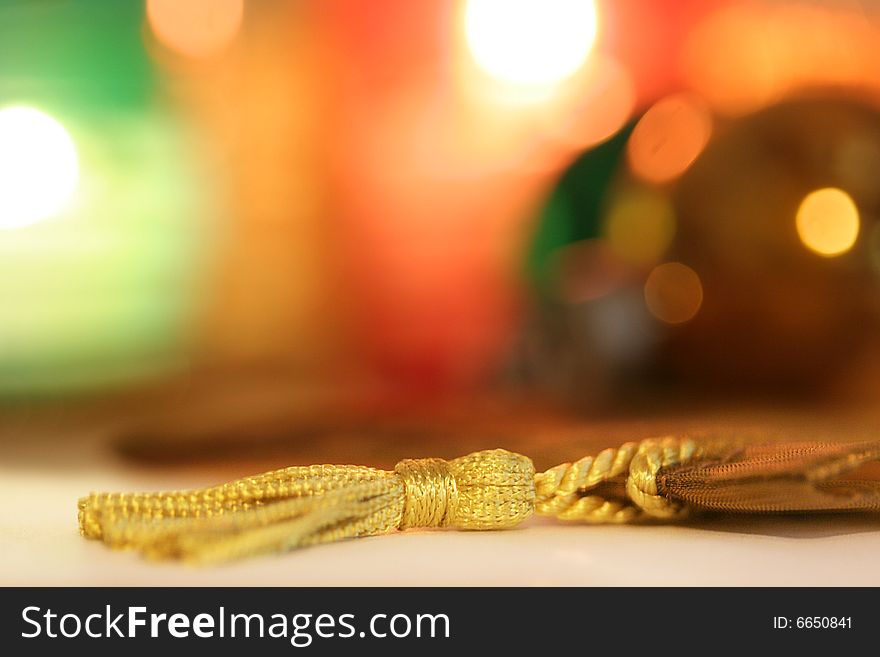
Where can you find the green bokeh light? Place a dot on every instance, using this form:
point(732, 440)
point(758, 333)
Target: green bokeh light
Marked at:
point(101, 293)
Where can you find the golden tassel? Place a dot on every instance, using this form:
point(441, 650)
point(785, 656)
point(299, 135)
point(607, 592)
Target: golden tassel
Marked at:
point(294, 507)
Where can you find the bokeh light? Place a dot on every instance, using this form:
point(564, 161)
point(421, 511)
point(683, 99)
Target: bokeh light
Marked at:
point(669, 137)
point(640, 227)
point(103, 296)
point(39, 168)
point(673, 293)
point(530, 42)
point(828, 221)
point(195, 28)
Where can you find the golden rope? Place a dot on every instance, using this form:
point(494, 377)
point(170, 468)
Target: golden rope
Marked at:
point(562, 491)
point(494, 489)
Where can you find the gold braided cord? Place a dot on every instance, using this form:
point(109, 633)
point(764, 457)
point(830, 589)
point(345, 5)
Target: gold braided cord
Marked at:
point(619, 485)
point(641, 485)
point(563, 491)
point(299, 506)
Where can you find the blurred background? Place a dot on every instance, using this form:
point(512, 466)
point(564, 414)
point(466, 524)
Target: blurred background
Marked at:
point(302, 229)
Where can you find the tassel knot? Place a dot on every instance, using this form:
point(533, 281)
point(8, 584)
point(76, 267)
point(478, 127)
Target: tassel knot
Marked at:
point(430, 493)
point(492, 489)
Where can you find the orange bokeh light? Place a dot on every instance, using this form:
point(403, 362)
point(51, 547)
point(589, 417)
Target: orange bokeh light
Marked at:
point(673, 293)
point(195, 28)
point(828, 222)
point(669, 137)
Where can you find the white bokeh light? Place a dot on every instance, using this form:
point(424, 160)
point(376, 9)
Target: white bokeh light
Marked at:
point(39, 168)
point(530, 42)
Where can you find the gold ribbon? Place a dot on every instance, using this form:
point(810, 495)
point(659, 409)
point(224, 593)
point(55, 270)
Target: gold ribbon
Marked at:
point(294, 507)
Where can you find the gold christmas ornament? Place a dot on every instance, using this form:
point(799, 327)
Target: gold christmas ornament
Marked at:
point(657, 479)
